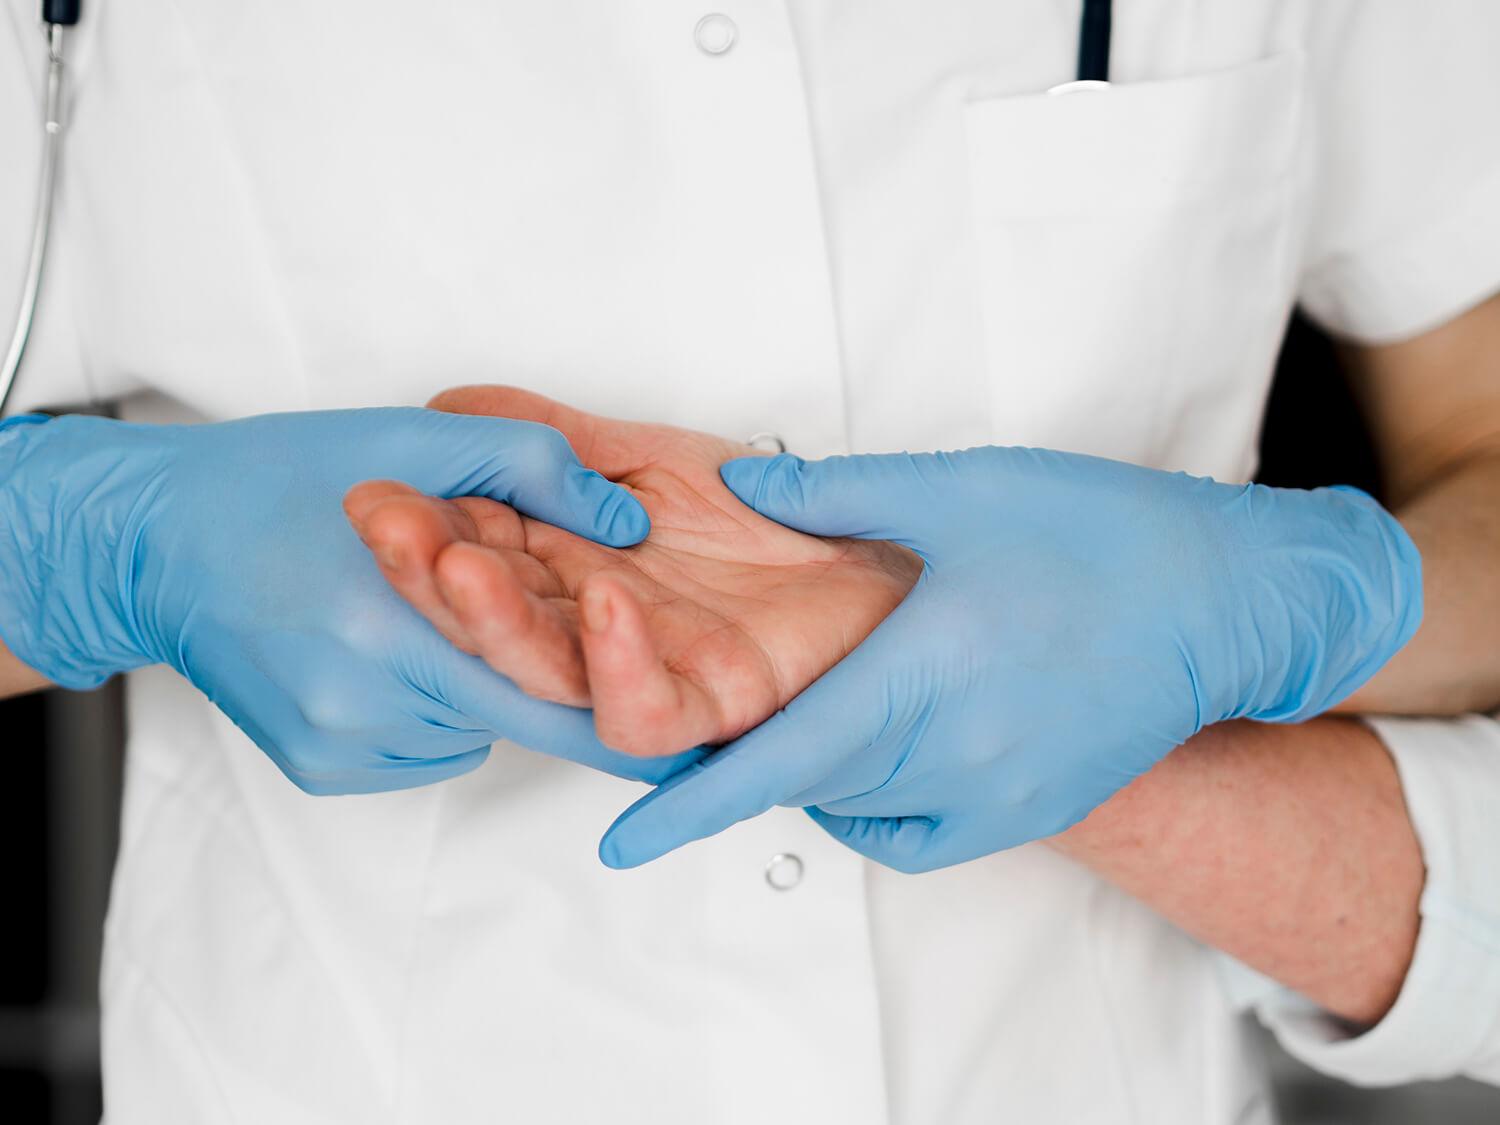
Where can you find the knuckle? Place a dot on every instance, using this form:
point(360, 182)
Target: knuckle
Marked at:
point(538, 445)
point(360, 626)
point(325, 710)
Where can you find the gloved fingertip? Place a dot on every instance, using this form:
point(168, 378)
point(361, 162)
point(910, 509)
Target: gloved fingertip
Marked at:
point(753, 479)
point(619, 519)
point(617, 857)
point(628, 523)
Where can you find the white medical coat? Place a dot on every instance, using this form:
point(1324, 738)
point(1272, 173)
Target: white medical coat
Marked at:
point(863, 227)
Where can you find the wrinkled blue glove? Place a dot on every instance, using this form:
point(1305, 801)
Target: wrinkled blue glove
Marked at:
point(223, 551)
point(1077, 618)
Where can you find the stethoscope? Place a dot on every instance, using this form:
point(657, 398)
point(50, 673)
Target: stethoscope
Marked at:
point(1093, 69)
point(56, 15)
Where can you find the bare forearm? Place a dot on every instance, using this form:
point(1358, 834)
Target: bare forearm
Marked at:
point(17, 678)
point(1433, 407)
point(1452, 665)
point(1288, 847)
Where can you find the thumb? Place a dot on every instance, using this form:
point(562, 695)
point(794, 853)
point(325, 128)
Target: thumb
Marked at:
point(532, 468)
point(896, 496)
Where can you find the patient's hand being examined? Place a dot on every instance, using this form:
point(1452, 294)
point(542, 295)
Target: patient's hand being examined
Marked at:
point(696, 635)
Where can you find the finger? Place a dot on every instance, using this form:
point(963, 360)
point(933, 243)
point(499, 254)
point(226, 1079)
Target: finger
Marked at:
point(520, 634)
point(898, 496)
point(606, 444)
point(903, 843)
point(640, 705)
point(405, 531)
point(467, 517)
point(528, 466)
point(833, 722)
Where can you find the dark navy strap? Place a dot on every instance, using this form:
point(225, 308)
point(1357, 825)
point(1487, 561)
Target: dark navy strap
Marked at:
point(1093, 41)
point(64, 12)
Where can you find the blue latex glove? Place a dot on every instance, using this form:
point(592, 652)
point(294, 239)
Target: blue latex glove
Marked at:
point(1077, 618)
point(223, 551)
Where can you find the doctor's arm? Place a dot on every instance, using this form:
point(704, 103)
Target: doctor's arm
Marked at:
point(1293, 848)
point(1433, 407)
point(1368, 896)
point(1287, 847)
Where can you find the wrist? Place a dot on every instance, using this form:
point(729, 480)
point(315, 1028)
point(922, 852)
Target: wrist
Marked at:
point(1330, 586)
point(66, 487)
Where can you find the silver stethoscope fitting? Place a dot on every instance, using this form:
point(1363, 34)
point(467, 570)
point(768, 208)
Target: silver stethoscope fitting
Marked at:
point(46, 190)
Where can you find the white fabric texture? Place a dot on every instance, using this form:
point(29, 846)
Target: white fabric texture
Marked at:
point(1405, 230)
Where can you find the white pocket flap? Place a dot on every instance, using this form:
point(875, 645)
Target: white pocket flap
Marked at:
point(1137, 145)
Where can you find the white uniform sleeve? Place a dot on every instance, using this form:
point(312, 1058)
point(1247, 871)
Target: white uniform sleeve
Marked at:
point(1447, 1019)
point(1405, 228)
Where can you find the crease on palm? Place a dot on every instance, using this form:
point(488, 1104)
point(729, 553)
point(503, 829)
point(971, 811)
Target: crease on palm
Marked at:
point(714, 623)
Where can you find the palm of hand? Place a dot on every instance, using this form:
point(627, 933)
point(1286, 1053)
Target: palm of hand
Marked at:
point(701, 632)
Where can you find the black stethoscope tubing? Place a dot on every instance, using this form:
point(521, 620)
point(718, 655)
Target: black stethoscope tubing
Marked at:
point(1093, 41)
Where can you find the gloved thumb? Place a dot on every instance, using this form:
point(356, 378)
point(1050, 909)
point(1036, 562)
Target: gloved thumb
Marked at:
point(886, 496)
point(532, 468)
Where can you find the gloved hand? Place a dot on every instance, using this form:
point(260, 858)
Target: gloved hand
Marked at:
point(221, 550)
point(1077, 618)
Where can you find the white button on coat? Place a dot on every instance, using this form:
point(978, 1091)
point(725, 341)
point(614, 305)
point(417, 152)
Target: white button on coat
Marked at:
point(784, 871)
point(767, 441)
point(715, 34)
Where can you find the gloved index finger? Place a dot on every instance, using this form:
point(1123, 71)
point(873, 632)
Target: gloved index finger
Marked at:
point(811, 739)
point(896, 496)
point(532, 468)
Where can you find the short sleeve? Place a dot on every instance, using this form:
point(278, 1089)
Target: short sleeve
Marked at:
point(1404, 229)
point(1446, 1020)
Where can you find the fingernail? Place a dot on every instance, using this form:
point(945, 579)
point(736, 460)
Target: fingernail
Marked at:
point(593, 607)
point(389, 558)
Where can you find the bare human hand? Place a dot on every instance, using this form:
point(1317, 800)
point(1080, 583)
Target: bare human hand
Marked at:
point(696, 635)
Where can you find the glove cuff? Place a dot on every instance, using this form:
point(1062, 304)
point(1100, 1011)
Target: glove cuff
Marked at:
point(1348, 596)
point(60, 610)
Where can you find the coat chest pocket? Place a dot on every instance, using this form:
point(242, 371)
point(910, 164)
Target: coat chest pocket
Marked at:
point(1134, 260)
